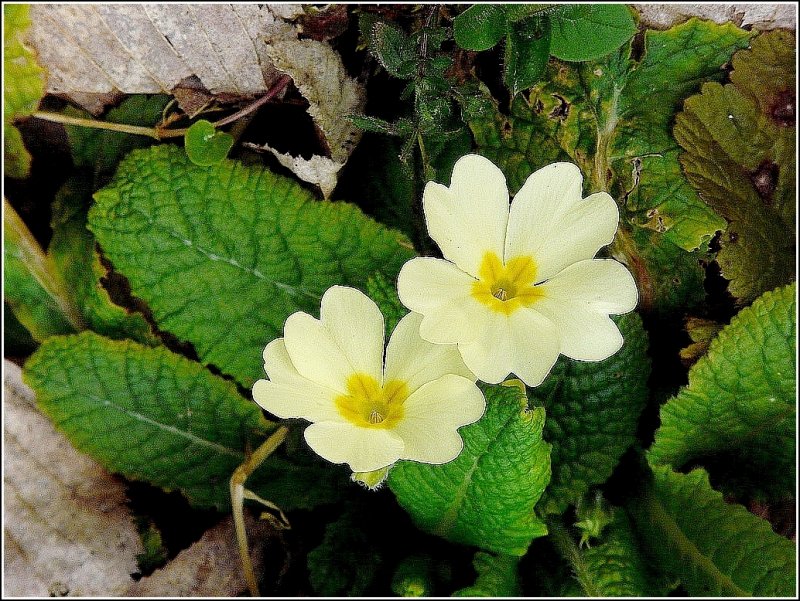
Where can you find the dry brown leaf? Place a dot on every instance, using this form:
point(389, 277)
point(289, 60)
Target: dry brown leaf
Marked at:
point(67, 528)
point(760, 15)
point(211, 567)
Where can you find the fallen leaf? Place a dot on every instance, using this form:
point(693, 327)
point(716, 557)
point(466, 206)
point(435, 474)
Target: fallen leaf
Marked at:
point(67, 530)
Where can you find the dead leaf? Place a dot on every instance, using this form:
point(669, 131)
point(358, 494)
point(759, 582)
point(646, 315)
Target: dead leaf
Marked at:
point(211, 567)
point(762, 16)
point(67, 528)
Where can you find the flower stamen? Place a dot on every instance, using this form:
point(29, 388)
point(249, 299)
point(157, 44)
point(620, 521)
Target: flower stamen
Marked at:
point(369, 404)
point(505, 288)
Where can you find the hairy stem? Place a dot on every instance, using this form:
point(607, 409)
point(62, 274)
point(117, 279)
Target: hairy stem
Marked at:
point(569, 550)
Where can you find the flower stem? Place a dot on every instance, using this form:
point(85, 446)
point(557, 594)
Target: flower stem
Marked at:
point(238, 495)
point(562, 540)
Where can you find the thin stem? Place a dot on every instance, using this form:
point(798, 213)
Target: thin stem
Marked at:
point(569, 551)
point(238, 495)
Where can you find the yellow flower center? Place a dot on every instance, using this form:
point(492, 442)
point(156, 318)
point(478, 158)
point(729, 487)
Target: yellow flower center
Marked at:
point(368, 404)
point(506, 288)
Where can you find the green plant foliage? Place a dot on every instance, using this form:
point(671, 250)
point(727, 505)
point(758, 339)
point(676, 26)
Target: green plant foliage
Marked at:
point(740, 400)
point(205, 146)
point(606, 117)
point(23, 87)
point(73, 254)
point(740, 154)
point(100, 149)
point(481, 26)
point(497, 577)
point(384, 293)
point(344, 564)
point(17, 340)
point(485, 497)
point(146, 413)
point(414, 577)
point(592, 412)
point(717, 549)
point(583, 32)
point(224, 254)
point(527, 51)
point(32, 286)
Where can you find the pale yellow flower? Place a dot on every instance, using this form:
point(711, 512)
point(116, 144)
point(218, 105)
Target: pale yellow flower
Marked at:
point(518, 284)
point(366, 412)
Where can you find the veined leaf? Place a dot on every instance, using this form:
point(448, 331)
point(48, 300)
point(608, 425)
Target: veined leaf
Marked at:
point(740, 401)
point(224, 254)
point(23, 86)
point(585, 32)
point(384, 293)
point(527, 51)
point(32, 286)
point(72, 252)
point(740, 157)
point(146, 413)
point(592, 413)
point(497, 577)
point(485, 497)
point(717, 549)
point(480, 27)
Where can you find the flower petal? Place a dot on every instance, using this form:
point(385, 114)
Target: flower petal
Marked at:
point(314, 352)
point(443, 294)
point(356, 325)
point(415, 361)
point(550, 222)
point(434, 413)
point(490, 354)
point(469, 218)
point(579, 299)
point(288, 394)
point(364, 449)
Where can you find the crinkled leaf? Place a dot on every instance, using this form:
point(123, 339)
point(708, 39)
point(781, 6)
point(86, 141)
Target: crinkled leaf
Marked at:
point(527, 51)
point(497, 577)
point(390, 45)
point(23, 86)
point(32, 286)
point(480, 27)
point(100, 149)
point(740, 400)
point(224, 254)
point(485, 497)
point(588, 31)
point(592, 412)
point(739, 142)
point(72, 252)
point(717, 549)
point(384, 293)
point(205, 146)
point(345, 562)
point(146, 413)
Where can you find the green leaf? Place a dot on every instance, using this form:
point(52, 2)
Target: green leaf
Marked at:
point(206, 146)
point(740, 157)
point(415, 576)
point(32, 286)
point(224, 254)
point(23, 87)
point(17, 340)
point(390, 45)
point(740, 399)
point(588, 31)
point(497, 577)
point(146, 413)
point(100, 149)
point(73, 254)
point(527, 51)
point(480, 27)
point(344, 564)
point(717, 549)
point(592, 412)
point(486, 496)
point(384, 293)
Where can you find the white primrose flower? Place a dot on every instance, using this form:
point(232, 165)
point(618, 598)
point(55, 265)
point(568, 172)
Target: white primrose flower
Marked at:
point(518, 284)
point(331, 372)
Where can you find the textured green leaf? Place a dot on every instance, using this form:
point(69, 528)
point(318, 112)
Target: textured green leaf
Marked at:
point(741, 396)
point(717, 549)
point(146, 413)
point(486, 496)
point(497, 577)
point(72, 251)
point(100, 150)
point(390, 45)
point(588, 31)
point(224, 254)
point(480, 27)
point(32, 286)
point(527, 51)
point(205, 146)
point(740, 156)
point(23, 87)
point(592, 412)
point(384, 293)
point(344, 564)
